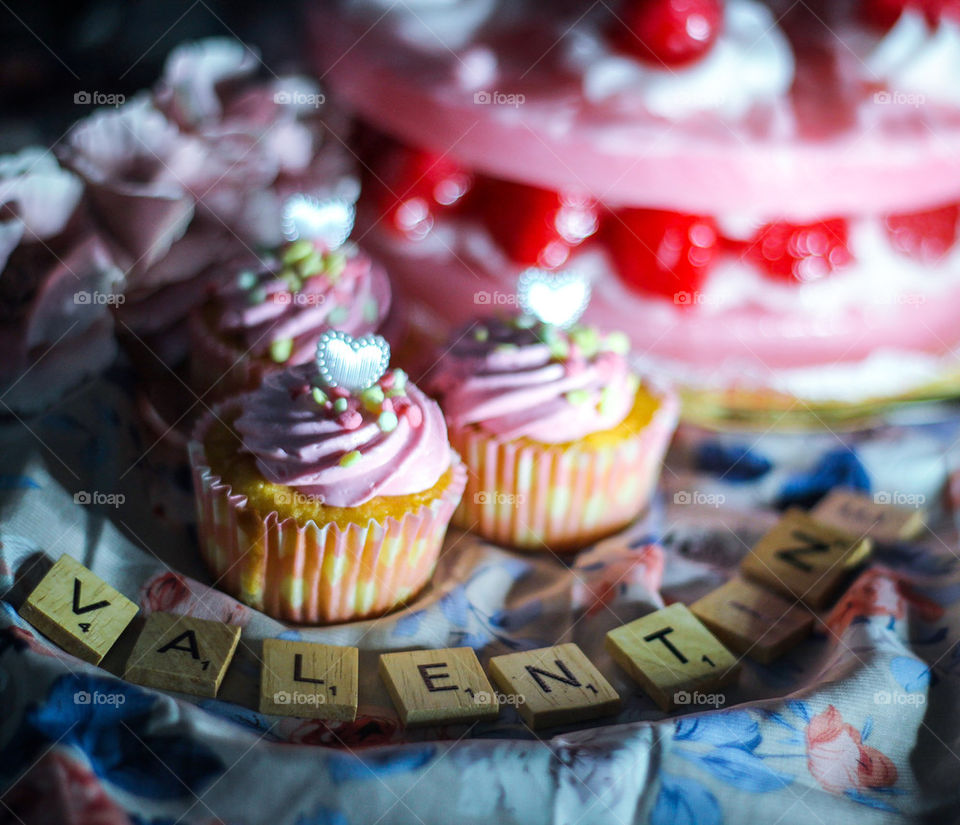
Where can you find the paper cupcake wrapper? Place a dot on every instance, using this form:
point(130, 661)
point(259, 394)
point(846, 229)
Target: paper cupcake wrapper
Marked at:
point(311, 573)
point(557, 499)
point(219, 370)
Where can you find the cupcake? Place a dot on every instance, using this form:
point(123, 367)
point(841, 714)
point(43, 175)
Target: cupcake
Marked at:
point(563, 442)
point(325, 494)
point(263, 321)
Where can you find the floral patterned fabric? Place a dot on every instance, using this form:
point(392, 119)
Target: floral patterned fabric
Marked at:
point(860, 723)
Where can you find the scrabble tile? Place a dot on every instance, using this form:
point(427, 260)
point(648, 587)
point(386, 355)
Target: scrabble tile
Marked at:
point(669, 653)
point(554, 685)
point(861, 515)
point(803, 558)
point(309, 680)
point(752, 620)
point(182, 653)
point(445, 686)
point(77, 610)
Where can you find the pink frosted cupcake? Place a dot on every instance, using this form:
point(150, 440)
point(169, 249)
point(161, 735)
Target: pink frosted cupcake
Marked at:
point(262, 322)
point(325, 494)
point(562, 441)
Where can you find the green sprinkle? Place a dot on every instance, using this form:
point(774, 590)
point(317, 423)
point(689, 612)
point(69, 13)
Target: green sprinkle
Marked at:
point(334, 263)
point(257, 296)
point(338, 315)
point(370, 310)
point(319, 395)
point(617, 342)
point(399, 379)
point(578, 397)
point(372, 398)
point(524, 322)
point(559, 348)
point(587, 340)
point(607, 398)
point(481, 334)
point(281, 349)
point(297, 251)
point(311, 265)
point(247, 279)
point(348, 459)
point(292, 280)
point(387, 421)
point(340, 405)
point(504, 347)
point(395, 392)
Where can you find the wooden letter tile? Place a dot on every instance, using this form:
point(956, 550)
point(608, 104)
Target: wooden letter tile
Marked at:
point(803, 558)
point(77, 610)
point(445, 686)
point(182, 653)
point(673, 657)
point(309, 680)
point(752, 620)
point(554, 685)
point(861, 515)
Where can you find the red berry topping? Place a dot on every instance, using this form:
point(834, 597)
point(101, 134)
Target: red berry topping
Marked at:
point(410, 187)
point(667, 32)
point(800, 252)
point(926, 236)
point(662, 253)
point(535, 227)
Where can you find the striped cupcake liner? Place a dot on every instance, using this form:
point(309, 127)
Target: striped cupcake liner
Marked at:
point(311, 573)
point(557, 499)
point(218, 370)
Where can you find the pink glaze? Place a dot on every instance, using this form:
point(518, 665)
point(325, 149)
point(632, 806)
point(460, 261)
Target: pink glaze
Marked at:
point(300, 442)
point(827, 149)
point(513, 386)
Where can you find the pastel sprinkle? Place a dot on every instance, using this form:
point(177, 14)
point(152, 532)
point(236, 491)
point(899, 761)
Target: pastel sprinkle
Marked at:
point(319, 395)
point(372, 398)
point(587, 339)
point(350, 419)
point(414, 416)
point(311, 265)
point(399, 379)
point(481, 333)
point(504, 347)
point(607, 398)
point(370, 310)
point(281, 349)
point(338, 315)
point(334, 263)
point(396, 392)
point(617, 342)
point(247, 279)
point(297, 251)
point(577, 397)
point(340, 405)
point(349, 459)
point(257, 296)
point(525, 322)
point(387, 421)
point(559, 348)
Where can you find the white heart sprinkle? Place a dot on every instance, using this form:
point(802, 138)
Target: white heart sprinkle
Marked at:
point(351, 363)
point(557, 299)
point(328, 221)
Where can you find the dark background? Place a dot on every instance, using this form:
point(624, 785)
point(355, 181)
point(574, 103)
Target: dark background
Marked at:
point(49, 51)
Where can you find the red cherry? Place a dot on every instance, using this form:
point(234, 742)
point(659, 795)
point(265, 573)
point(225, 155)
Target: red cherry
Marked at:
point(926, 236)
point(667, 32)
point(535, 227)
point(410, 187)
point(662, 253)
point(800, 252)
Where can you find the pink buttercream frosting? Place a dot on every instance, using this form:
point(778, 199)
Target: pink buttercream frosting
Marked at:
point(262, 308)
point(536, 381)
point(392, 446)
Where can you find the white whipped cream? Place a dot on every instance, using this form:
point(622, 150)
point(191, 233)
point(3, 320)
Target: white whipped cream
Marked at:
point(431, 25)
point(914, 59)
point(750, 63)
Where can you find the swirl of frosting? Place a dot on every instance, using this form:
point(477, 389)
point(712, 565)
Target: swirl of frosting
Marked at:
point(389, 440)
point(540, 382)
point(282, 311)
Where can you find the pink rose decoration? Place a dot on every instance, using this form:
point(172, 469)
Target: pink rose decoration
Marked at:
point(839, 761)
point(173, 593)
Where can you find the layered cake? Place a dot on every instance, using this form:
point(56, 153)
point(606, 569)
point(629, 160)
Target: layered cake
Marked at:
point(764, 196)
